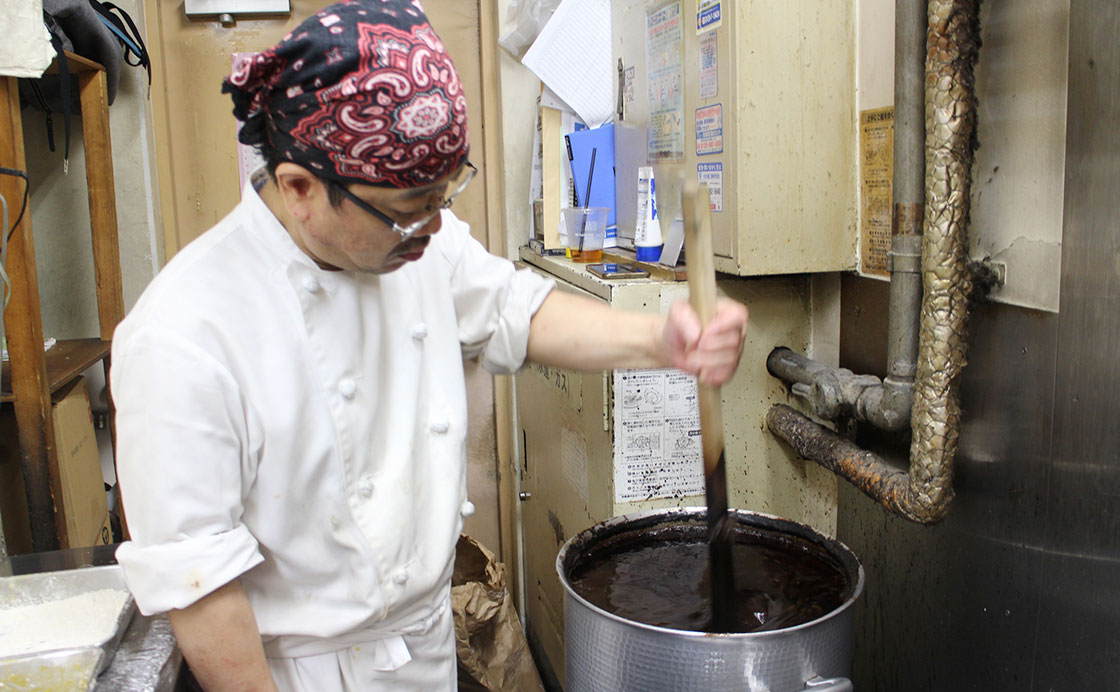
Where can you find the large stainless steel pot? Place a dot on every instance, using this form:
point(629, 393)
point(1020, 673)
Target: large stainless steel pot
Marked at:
point(607, 653)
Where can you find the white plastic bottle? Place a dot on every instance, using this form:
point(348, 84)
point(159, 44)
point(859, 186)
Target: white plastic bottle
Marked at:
point(647, 230)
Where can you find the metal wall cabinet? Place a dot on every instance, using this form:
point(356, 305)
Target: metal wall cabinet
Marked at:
point(765, 114)
point(34, 374)
point(567, 439)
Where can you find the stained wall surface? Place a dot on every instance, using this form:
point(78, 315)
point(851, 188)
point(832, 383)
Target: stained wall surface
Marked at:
point(1016, 589)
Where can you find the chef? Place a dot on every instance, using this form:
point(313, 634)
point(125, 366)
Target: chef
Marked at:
point(291, 406)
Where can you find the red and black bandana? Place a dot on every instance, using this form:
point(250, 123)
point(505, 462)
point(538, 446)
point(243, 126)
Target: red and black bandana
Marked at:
point(362, 92)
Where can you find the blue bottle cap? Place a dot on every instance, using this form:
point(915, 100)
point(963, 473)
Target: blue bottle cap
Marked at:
point(648, 254)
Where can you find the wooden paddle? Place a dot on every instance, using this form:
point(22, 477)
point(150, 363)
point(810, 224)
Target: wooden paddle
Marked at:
point(702, 296)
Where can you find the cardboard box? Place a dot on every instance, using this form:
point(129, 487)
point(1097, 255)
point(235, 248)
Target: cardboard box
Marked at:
point(13, 496)
point(83, 487)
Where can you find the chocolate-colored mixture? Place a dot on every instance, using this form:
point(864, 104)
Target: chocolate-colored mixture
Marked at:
point(660, 577)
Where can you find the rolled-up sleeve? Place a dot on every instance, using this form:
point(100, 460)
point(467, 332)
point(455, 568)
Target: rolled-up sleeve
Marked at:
point(184, 460)
point(495, 303)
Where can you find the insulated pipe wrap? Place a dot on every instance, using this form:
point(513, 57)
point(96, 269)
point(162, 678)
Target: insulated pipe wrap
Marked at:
point(953, 45)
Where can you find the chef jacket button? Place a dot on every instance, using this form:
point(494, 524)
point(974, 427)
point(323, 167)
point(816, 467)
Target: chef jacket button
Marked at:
point(466, 509)
point(419, 331)
point(310, 284)
point(365, 487)
point(400, 577)
point(347, 388)
point(440, 427)
point(334, 521)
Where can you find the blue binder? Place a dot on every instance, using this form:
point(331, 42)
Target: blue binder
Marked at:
point(580, 145)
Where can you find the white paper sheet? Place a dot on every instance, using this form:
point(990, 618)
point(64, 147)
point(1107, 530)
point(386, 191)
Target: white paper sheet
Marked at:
point(657, 450)
point(572, 56)
point(26, 49)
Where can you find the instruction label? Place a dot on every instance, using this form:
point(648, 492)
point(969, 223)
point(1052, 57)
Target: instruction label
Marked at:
point(657, 450)
point(711, 174)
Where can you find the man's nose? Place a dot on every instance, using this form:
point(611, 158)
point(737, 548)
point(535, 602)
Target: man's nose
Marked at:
point(430, 228)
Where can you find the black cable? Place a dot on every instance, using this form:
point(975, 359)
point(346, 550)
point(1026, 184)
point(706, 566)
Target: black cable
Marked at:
point(26, 189)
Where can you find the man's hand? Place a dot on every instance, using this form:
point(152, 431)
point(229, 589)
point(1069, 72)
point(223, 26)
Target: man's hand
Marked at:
point(712, 354)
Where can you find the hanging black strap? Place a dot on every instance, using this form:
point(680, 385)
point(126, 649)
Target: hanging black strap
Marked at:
point(64, 82)
point(41, 100)
point(129, 36)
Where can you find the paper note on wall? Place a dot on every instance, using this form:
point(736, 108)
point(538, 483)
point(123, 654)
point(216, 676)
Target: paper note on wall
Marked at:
point(665, 83)
point(657, 435)
point(572, 56)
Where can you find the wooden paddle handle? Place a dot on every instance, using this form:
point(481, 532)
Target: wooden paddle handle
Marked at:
point(702, 295)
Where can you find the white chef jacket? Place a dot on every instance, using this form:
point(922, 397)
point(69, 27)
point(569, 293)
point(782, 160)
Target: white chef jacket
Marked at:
point(305, 430)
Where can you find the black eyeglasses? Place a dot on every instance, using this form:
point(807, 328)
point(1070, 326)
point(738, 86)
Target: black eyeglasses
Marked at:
point(457, 184)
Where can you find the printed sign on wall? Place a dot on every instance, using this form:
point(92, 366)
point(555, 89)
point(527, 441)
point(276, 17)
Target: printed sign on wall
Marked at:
point(711, 175)
point(709, 129)
point(709, 15)
point(657, 435)
point(665, 83)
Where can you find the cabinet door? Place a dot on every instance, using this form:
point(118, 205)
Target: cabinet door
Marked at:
point(565, 470)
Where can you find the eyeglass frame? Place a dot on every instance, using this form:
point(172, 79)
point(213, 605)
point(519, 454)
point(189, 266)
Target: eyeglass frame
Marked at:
point(406, 232)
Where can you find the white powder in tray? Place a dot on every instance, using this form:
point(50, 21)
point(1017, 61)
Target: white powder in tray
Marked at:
point(87, 619)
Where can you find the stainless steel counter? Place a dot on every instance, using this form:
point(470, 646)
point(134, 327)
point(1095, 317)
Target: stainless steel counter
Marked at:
point(147, 660)
point(148, 657)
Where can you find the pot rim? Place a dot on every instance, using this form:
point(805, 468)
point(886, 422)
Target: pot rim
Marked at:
point(668, 514)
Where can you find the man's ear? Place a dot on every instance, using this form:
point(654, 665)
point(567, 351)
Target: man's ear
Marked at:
point(300, 189)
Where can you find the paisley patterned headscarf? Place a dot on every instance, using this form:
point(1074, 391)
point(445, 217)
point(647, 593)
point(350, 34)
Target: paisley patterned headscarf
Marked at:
point(362, 92)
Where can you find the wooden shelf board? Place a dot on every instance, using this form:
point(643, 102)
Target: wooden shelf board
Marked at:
point(76, 63)
point(67, 359)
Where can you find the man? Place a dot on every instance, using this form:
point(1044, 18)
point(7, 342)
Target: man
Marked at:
point(291, 409)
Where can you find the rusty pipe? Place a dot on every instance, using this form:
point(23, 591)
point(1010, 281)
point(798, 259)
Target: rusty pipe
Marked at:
point(923, 494)
point(887, 485)
point(908, 192)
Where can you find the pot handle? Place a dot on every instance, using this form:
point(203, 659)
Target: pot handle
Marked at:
point(829, 685)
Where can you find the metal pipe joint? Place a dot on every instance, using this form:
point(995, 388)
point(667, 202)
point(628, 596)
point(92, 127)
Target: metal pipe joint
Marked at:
point(836, 392)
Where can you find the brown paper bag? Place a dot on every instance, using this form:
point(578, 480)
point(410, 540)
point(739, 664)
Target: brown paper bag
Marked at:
point(492, 650)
